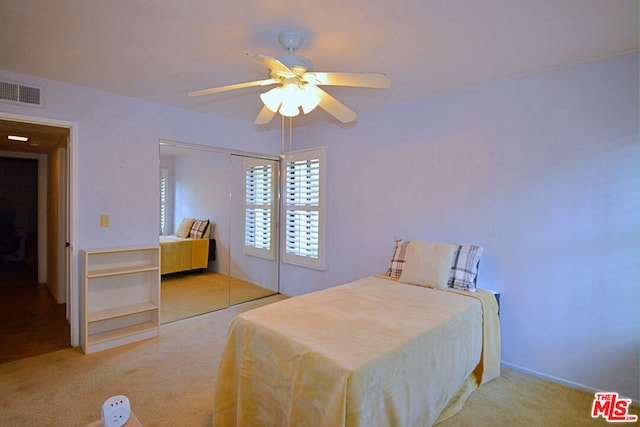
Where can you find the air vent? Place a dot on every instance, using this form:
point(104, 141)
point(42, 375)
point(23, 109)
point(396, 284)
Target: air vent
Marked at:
point(17, 93)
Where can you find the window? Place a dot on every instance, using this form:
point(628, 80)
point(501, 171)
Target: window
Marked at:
point(164, 183)
point(304, 208)
point(260, 216)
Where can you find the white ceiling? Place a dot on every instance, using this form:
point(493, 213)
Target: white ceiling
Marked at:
point(159, 50)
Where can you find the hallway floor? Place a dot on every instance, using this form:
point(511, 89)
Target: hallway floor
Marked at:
point(31, 322)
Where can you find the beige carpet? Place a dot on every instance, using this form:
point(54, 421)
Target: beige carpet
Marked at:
point(188, 295)
point(170, 382)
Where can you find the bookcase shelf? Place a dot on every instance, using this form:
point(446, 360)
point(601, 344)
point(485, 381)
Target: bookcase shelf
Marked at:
point(120, 270)
point(121, 298)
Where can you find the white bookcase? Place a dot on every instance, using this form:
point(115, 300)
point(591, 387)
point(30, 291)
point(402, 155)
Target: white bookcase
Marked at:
point(121, 297)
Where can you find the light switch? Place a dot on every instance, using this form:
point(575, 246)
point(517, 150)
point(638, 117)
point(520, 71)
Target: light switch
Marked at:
point(104, 220)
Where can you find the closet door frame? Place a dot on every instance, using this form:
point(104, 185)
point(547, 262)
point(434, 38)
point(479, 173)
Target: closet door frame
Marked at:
point(244, 154)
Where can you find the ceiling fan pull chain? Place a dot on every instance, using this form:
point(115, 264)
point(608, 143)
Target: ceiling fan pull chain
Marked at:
point(282, 134)
point(290, 136)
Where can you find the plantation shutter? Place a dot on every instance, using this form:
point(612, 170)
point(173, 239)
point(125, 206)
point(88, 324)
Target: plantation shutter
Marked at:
point(304, 209)
point(259, 221)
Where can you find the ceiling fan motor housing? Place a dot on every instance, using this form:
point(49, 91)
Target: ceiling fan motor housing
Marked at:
point(295, 63)
point(290, 41)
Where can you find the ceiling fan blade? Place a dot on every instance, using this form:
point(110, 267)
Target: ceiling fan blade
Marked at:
point(273, 64)
point(233, 87)
point(334, 107)
point(374, 80)
point(265, 116)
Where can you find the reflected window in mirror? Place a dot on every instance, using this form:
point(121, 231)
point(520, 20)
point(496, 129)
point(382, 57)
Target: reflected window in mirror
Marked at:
point(164, 188)
point(259, 209)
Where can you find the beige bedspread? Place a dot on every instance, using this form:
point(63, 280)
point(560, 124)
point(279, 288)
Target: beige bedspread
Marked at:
point(180, 254)
point(373, 352)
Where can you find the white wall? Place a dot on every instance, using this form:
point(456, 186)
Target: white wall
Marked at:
point(543, 172)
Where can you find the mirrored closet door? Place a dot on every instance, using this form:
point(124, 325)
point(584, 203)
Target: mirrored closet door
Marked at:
point(254, 220)
point(207, 261)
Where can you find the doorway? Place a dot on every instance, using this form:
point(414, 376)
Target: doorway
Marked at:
point(35, 217)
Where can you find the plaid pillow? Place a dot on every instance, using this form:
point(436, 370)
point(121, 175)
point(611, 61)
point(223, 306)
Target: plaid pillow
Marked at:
point(464, 272)
point(198, 227)
point(397, 260)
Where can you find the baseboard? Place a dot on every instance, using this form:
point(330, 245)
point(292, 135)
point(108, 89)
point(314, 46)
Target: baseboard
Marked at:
point(558, 380)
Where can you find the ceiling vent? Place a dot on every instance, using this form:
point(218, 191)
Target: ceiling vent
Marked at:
point(18, 93)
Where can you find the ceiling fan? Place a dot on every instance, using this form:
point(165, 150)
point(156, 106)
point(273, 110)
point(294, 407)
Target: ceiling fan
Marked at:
point(298, 86)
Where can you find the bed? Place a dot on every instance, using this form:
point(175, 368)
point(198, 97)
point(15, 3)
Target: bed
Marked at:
point(183, 254)
point(374, 352)
point(189, 249)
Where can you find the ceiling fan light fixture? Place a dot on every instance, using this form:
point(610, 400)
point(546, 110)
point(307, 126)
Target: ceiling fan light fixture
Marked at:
point(290, 96)
point(308, 98)
point(288, 99)
point(289, 109)
point(272, 99)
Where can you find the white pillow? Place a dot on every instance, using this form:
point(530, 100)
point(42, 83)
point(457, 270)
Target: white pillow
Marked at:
point(428, 264)
point(185, 227)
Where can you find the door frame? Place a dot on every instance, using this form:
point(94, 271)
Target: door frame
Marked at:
point(71, 188)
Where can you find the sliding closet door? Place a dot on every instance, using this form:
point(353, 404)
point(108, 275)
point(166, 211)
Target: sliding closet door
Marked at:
point(253, 236)
point(196, 185)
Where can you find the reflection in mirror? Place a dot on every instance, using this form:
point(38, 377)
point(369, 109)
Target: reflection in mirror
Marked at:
point(194, 228)
point(225, 265)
